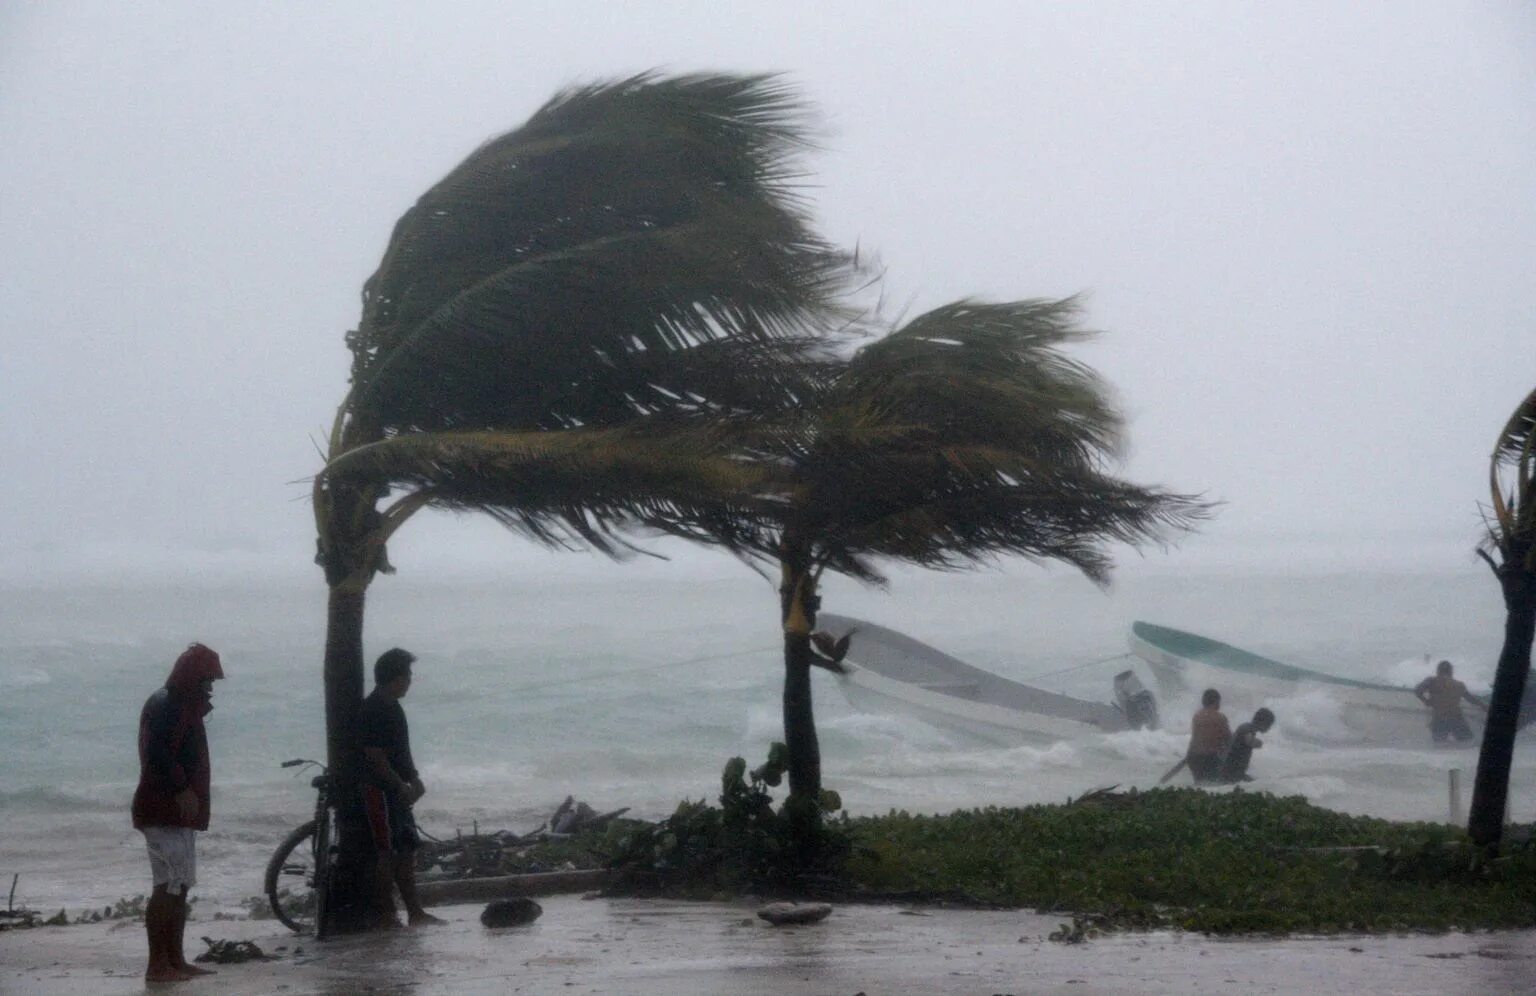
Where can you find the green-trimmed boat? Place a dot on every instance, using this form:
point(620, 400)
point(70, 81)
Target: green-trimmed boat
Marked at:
point(1184, 664)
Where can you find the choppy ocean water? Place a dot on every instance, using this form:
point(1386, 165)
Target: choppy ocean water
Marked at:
point(632, 689)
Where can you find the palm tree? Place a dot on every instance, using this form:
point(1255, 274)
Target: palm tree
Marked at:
point(1512, 539)
point(963, 436)
point(558, 327)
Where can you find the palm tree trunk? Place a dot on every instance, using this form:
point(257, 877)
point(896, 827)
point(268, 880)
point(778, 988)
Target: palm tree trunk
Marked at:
point(353, 894)
point(798, 614)
point(1490, 792)
point(800, 719)
point(343, 680)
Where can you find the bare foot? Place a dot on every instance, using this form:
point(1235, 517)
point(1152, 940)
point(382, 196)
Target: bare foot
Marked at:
point(165, 973)
point(425, 919)
point(193, 970)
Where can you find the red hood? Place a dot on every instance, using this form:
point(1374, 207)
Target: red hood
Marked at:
point(195, 665)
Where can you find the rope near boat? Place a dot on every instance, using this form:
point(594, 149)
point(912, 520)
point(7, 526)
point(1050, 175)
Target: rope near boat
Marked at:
point(1076, 667)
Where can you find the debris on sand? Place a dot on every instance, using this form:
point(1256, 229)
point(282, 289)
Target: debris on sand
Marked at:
point(232, 952)
point(783, 914)
point(516, 912)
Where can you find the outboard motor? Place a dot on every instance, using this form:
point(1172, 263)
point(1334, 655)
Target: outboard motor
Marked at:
point(1135, 702)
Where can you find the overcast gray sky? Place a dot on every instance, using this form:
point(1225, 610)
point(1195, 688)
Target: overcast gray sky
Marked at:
point(1309, 231)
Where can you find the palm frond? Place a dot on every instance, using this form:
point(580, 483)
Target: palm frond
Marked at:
point(1512, 488)
point(566, 488)
point(953, 513)
point(975, 372)
point(536, 284)
point(966, 435)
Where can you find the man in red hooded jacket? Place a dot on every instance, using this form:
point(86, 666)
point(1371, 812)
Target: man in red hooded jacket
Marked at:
point(171, 803)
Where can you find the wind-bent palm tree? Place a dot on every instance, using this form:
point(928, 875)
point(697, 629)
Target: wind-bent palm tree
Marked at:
point(965, 435)
point(1512, 538)
point(558, 326)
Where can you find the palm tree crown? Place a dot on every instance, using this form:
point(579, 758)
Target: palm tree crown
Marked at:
point(1512, 486)
point(632, 260)
point(966, 434)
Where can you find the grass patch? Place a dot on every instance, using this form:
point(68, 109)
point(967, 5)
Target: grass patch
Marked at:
point(1221, 863)
point(1227, 863)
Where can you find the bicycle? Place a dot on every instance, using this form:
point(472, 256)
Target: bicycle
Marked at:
point(299, 875)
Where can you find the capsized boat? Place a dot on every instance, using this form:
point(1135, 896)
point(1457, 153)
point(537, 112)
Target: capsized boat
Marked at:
point(887, 671)
point(1183, 665)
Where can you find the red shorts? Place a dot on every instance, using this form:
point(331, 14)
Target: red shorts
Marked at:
point(390, 822)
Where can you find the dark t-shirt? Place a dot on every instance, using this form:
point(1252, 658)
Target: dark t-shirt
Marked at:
point(381, 724)
point(1240, 752)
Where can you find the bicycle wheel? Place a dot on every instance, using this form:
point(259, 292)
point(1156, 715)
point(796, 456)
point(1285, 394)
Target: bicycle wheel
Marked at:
point(291, 880)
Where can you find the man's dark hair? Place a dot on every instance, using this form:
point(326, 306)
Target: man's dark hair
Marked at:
point(391, 665)
point(1443, 668)
point(1264, 718)
point(1211, 698)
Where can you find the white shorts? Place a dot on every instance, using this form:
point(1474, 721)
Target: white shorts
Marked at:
point(172, 857)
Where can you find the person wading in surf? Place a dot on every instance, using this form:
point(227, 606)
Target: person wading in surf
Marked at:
point(391, 786)
point(1245, 740)
point(171, 803)
point(1443, 694)
point(1209, 736)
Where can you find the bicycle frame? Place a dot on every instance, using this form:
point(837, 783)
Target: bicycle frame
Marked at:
point(318, 836)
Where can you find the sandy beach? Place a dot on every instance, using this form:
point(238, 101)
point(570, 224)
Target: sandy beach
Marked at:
point(655, 947)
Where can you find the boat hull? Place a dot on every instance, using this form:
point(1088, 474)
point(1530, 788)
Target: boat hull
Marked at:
point(889, 672)
point(869, 692)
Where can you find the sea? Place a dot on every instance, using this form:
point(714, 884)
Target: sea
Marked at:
point(632, 687)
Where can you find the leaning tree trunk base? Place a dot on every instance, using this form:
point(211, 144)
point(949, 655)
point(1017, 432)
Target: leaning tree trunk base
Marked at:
point(1490, 792)
point(352, 903)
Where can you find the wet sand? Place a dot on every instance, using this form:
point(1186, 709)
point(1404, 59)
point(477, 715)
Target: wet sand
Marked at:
point(656, 947)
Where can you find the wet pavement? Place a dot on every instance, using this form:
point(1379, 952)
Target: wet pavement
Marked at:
point(654, 947)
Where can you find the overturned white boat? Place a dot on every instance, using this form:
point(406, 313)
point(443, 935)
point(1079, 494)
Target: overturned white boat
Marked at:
point(1183, 665)
point(886, 671)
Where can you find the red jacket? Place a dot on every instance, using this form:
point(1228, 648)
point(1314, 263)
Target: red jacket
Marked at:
point(173, 745)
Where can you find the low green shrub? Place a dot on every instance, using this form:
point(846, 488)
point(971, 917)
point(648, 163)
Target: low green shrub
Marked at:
point(1237, 862)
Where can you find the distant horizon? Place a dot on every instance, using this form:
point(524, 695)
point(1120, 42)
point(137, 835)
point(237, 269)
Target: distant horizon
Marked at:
point(498, 556)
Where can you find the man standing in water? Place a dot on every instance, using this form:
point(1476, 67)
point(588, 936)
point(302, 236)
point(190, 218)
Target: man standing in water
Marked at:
point(1443, 694)
point(391, 785)
point(171, 803)
point(1209, 735)
point(1245, 740)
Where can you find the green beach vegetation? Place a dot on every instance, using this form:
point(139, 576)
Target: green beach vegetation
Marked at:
point(1185, 859)
point(1233, 862)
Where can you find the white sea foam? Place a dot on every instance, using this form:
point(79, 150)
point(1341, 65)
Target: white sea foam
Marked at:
point(1314, 715)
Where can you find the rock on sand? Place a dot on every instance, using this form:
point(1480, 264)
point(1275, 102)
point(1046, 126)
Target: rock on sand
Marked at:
point(780, 914)
point(515, 912)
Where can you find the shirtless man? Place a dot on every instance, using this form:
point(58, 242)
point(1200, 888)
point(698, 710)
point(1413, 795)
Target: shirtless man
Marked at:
point(1443, 694)
point(1209, 735)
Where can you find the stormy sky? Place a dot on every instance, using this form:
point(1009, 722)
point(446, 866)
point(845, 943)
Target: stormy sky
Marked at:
point(1308, 231)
